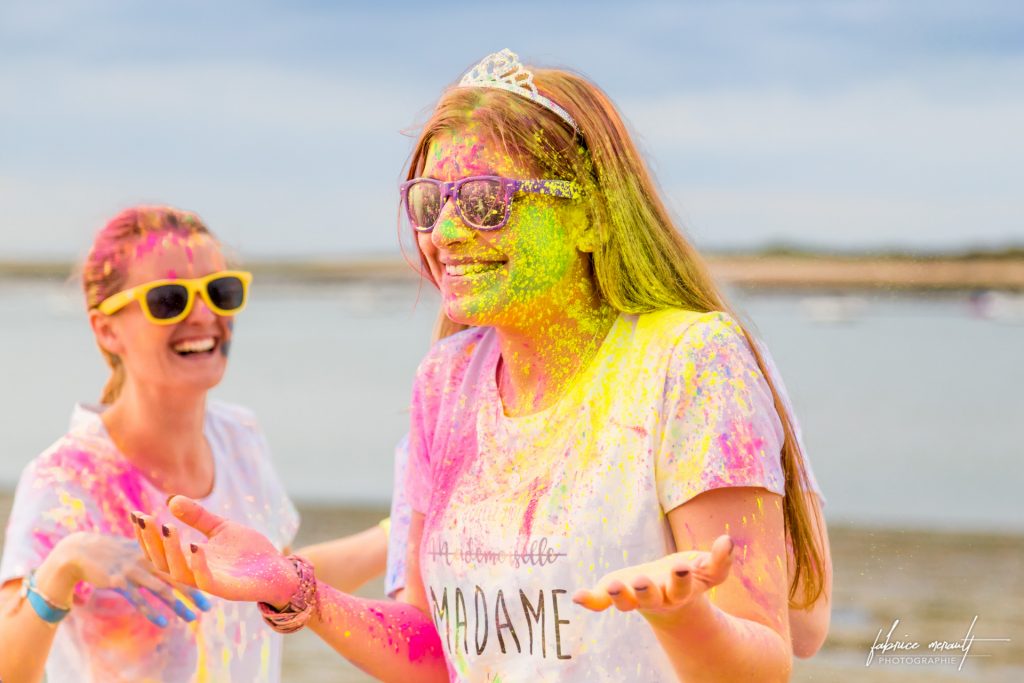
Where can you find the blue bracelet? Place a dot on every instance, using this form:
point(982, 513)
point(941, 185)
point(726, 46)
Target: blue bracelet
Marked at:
point(45, 609)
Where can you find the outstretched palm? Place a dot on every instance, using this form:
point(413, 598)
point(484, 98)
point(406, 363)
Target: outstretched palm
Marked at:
point(236, 563)
point(664, 586)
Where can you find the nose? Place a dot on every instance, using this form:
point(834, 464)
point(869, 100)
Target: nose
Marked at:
point(450, 228)
point(200, 312)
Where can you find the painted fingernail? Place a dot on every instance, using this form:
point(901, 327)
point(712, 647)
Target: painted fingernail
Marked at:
point(614, 592)
point(682, 573)
point(201, 601)
point(639, 589)
point(184, 612)
point(193, 547)
point(142, 523)
point(135, 520)
point(160, 620)
point(165, 531)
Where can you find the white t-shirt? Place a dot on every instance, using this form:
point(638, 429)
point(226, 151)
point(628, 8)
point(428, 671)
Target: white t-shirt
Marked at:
point(401, 516)
point(521, 512)
point(83, 483)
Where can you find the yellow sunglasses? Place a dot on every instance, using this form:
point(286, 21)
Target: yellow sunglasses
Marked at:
point(165, 302)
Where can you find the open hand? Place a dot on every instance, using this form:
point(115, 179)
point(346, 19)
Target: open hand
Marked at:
point(114, 563)
point(236, 563)
point(663, 586)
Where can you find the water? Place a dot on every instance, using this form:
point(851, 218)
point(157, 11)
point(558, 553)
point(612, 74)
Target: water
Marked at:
point(912, 411)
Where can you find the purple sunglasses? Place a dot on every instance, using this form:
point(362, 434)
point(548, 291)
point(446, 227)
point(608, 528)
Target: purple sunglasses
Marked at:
point(483, 202)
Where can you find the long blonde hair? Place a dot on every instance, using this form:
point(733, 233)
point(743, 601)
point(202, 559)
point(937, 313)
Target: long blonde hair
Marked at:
point(641, 262)
point(106, 267)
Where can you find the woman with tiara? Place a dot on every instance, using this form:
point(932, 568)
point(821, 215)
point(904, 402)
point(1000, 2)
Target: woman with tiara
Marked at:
point(605, 477)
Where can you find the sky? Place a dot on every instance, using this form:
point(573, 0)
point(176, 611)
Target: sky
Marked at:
point(833, 125)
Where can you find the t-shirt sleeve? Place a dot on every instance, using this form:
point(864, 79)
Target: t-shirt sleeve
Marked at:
point(719, 423)
point(401, 515)
point(48, 505)
point(780, 386)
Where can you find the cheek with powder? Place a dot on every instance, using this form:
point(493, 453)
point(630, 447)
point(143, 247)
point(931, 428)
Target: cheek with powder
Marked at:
point(540, 255)
point(539, 258)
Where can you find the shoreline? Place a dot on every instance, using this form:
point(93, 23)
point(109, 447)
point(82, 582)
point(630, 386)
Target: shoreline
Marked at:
point(791, 270)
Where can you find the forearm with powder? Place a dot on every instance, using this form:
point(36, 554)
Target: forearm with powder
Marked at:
point(392, 641)
point(706, 643)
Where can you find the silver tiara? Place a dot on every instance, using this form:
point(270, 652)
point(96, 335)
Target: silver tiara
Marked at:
point(504, 71)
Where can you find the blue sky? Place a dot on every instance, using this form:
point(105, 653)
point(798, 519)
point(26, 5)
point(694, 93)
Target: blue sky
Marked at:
point(846, 125)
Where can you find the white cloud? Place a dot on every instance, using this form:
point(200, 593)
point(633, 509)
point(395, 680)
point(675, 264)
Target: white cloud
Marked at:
point(849, 120)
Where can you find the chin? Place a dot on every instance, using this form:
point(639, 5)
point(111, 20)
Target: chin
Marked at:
point(458, 312)
point(199, 381)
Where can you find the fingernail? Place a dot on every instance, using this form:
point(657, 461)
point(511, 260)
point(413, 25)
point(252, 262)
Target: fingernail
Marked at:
point(160, 620)
point(184, 612)
point(201, 601)
point(639, 589)
point(168, 503)
point(732, 545)
point(135, 520)
point(142, 523)
point(193, 547)
point(615, 592)
point(165, 531)
point(682, 573)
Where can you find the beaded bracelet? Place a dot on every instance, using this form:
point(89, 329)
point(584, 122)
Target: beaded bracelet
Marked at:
point(302, 604)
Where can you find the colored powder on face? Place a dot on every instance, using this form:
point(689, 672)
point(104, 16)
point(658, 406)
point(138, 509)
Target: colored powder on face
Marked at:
point(225, 345)
point(534, 247)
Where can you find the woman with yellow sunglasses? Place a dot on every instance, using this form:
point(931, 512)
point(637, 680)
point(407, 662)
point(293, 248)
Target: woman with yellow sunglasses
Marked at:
point(77, 597)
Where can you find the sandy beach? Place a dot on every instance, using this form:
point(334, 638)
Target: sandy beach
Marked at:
point(934, 583)
point(798, 271)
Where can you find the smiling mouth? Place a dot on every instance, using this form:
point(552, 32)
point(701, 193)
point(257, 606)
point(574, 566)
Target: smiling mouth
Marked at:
point(462, 269)
point(195, 347)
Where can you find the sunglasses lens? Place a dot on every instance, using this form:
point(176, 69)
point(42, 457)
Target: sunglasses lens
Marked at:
point(227, 293)
point(166, 301)
point(424, 202)
point(482, 203)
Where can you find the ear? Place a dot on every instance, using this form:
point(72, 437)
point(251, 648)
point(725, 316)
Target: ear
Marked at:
point(588, 236)
point(106, 334)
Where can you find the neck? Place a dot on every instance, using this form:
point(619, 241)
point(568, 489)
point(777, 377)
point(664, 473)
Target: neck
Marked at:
point(540, 360)
point(161, 433)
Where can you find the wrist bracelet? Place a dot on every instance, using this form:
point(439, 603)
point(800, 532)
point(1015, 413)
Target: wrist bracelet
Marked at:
point(45, 609)
point(302, 604)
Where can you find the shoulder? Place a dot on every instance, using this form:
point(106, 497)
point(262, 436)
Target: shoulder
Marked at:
point(450, 357)
point(689, 333)
point(80, 455)
point(232, 414)
point(707, 349)
point(234, 422)
point(81, 482)
point(234, 430)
